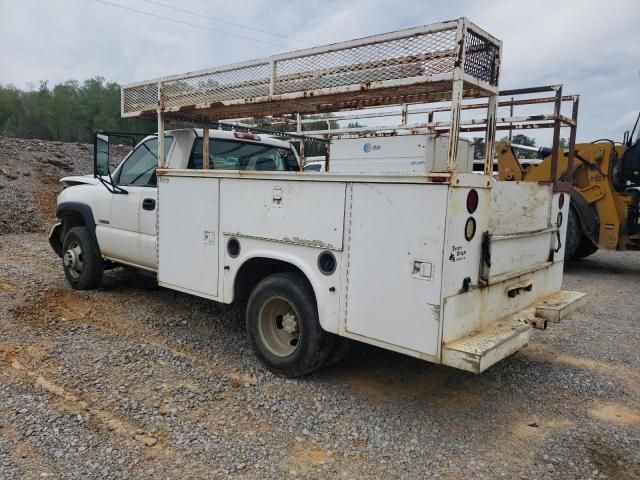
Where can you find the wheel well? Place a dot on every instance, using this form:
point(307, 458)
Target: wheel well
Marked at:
point(255, 269)
point(71, 219)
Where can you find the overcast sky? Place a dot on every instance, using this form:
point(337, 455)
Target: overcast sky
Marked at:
point(592, 47)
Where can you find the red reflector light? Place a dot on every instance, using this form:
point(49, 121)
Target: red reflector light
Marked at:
point(246, 136)
point(561, 201)
point(472, 201)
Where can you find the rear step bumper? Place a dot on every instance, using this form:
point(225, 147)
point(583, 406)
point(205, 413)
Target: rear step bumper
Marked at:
point(479, 350)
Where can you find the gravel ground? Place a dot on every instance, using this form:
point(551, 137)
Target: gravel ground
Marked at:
point(133, 381)
point(29, 174)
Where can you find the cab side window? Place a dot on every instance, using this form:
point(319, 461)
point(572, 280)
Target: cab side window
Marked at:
point(140, 168)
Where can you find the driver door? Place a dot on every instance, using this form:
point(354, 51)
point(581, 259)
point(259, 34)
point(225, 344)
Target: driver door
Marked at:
point(129, 235)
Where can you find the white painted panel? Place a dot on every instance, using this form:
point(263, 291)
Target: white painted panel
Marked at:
point(463, 257)
point(396, 154)
point(391, 227)
point(303, 213)
point(466, 312)
point(520, 210)
point(189, 236)
point(519, 207)
point(515, 255)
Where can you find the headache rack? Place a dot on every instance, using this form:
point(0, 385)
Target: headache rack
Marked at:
point(440, 62)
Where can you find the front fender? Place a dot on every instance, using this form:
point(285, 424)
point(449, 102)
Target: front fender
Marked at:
point(83, 210)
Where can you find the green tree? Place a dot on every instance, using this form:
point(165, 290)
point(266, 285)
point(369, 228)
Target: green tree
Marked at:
point(69, 111)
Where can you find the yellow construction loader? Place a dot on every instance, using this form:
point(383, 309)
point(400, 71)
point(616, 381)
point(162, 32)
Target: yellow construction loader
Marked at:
point(604, 210)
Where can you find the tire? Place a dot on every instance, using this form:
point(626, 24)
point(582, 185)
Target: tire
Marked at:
point(340, 348)
point(283, 326)
point(83, 265)
point(574, 235)
point(585, 248)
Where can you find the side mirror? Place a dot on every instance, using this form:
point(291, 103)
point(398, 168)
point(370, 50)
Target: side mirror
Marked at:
point(101, 155)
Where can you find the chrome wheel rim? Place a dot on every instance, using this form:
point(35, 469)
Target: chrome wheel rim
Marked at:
point(72, 259)
point(278, 327)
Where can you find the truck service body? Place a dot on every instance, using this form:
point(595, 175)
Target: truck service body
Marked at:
point(448, 266)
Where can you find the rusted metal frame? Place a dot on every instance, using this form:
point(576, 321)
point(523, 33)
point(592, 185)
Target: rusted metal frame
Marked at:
point(368, 129)
point(205, 147)
point(556, 136)
point(456, 95)
point(511, 115)
point(473, 83)
point(529, 90)
point(490, 135)
point(420, 111)
point(160, 114)
point(297, 54)
point(443, 78)
point(431, 111)
point(299, 132)
point(430, 121)
point(272, 79)
point(529, 126)
point(502, 123)
point(572, 139)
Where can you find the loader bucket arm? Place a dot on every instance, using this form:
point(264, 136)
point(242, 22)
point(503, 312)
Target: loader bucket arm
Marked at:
point(509, 167)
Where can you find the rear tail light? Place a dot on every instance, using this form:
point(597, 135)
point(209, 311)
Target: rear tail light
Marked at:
point(469, 229)
point(561, 201)
point(472, 201)
point(246, 136)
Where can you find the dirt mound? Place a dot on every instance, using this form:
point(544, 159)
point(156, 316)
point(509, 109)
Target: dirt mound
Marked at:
point(29, 174)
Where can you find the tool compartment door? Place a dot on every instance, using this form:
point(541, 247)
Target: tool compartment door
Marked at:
point(521, 227)
point(395, 241)
point(188, 234)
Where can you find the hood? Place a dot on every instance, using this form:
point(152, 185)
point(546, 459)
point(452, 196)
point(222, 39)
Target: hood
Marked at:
point(79, 180)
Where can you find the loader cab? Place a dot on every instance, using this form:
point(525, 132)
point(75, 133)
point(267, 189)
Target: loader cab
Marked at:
point(630, 162)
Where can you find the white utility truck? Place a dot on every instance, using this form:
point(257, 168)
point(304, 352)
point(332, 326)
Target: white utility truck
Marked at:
point(454, 268)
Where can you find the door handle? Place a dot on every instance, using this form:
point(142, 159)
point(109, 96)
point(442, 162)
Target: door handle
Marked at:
point(148, 204)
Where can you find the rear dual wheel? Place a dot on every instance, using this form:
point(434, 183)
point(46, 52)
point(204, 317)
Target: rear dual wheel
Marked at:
point(283, 326)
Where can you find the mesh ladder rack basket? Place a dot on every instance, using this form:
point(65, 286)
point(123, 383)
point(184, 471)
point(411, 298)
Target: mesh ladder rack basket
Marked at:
point(416, 65)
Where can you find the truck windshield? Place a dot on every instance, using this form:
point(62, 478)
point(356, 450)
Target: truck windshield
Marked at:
point(236, 155)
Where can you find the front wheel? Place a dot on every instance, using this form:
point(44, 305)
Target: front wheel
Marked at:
point(81, 261)
point(283, 326)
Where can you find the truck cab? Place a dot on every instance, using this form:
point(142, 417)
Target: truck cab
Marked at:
point(124, 219)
